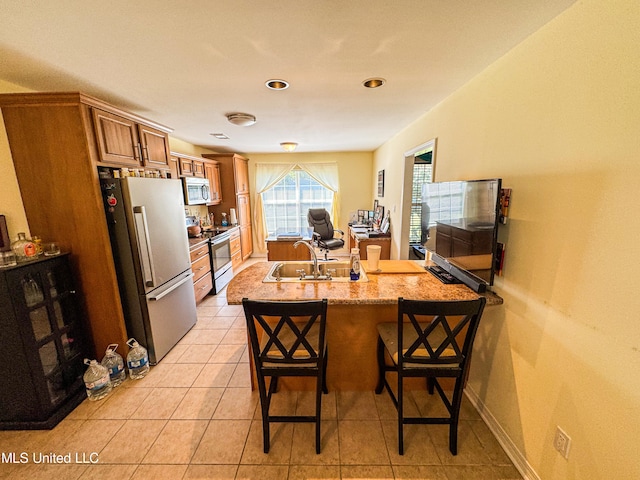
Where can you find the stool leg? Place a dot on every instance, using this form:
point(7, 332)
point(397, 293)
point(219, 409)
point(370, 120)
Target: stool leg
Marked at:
point(324, 373)
point(318, 416)
point(380, 355)
point(400, 415)
point(264, 406)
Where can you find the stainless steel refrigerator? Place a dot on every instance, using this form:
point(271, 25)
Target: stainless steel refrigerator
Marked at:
point(151, 253)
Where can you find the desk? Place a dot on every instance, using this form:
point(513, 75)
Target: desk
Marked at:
point(280, 247)
point(360, 239)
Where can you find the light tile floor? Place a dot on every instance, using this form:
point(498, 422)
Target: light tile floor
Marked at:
point(194, 416)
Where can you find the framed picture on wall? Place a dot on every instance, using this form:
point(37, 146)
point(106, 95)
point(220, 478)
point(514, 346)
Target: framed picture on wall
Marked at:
point(375, 204)
point(381, 183)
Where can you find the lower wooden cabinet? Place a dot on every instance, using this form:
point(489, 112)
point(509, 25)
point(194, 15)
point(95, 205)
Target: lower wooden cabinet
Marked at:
point(43, 344)
point(202, 287)
point(235, 248)
point(283, 250)
point(201, 268)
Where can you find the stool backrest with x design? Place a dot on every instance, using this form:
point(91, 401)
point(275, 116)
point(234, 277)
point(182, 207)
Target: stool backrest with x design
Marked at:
point(287, 340)
point(430, 339)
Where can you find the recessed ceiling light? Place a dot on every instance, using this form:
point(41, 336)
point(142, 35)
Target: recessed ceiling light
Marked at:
point(241, 119)
point(277, 84)
point(374, 82)
point(289, 146)
point(220, 136)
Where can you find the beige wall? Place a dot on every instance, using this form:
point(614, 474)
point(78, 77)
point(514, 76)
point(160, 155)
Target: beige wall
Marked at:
point(180, 146)
point(558, 118)
point(10, 200)
point(354, 171)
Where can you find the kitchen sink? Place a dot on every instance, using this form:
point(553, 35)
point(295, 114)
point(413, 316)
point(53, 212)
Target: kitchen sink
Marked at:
point(291, 272)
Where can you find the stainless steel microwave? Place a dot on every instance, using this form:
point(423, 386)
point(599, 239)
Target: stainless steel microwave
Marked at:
point(196, 191)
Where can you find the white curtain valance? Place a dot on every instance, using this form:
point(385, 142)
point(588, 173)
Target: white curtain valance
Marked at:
point(269, 174)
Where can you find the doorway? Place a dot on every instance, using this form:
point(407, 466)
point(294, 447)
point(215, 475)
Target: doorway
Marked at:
point(419, 168)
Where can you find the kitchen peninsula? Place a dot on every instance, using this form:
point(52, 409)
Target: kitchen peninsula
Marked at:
point(354, 310)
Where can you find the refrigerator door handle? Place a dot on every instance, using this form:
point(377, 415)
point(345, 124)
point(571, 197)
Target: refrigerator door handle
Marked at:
point(144, 245)
point(171, 289)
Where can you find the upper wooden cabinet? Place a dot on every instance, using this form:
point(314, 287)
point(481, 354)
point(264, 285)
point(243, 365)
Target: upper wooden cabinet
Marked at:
point(117, 139)
point(234, 182)
point(189, 166)
point(58, 141)
point(198, 167)
point(174, 166)
point(123, 141)
point(241, 173)
point(155, 147)
point(212, 173)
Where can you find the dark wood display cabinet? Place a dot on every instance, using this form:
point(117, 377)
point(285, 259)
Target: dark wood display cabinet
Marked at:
point(43, 344)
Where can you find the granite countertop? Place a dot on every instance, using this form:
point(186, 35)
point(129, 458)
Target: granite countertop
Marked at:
point(382, 288)
point(220, 228)
point(204, 237)
point(195, 242)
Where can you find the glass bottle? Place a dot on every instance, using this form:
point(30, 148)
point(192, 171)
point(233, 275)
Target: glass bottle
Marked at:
point(24, 248)
point(38, 243)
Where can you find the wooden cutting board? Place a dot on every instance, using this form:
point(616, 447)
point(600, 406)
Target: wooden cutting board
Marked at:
point(394, 266)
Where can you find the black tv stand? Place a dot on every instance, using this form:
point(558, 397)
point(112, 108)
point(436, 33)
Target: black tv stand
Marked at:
point(442, 275)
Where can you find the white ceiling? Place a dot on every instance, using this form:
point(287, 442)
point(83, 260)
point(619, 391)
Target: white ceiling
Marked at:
point(187, 63)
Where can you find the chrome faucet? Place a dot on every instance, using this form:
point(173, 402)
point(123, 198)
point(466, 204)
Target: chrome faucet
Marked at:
point(316, 271)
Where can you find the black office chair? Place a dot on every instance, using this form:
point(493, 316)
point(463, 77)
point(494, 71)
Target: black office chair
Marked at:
point(287, 340)
point(430, 339)
point(323, 231)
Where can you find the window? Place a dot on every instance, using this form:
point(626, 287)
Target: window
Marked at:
point(422, 169)
point(286, 204)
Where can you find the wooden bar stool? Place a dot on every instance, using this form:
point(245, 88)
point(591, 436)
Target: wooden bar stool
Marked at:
point(287, 340)
point(431, 340)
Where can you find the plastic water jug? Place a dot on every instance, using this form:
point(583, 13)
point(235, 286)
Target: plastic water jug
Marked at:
point(137, 360)
point(96, 380)
point(114, 363)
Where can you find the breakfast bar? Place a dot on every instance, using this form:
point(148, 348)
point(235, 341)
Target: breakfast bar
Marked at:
point(354, 310)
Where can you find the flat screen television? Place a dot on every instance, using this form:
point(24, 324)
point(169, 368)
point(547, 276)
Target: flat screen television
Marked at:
point(460, 230)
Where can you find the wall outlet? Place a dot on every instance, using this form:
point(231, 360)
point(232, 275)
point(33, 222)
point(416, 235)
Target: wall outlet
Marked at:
point(562, 442)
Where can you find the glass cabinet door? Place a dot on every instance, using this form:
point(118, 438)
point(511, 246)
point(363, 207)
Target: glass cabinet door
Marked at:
point(40, 323)
point(52, 332)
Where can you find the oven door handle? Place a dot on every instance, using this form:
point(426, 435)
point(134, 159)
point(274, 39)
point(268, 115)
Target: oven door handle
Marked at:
point(218, 239)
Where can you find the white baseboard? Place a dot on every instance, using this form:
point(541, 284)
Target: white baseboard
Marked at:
point(516, 456)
